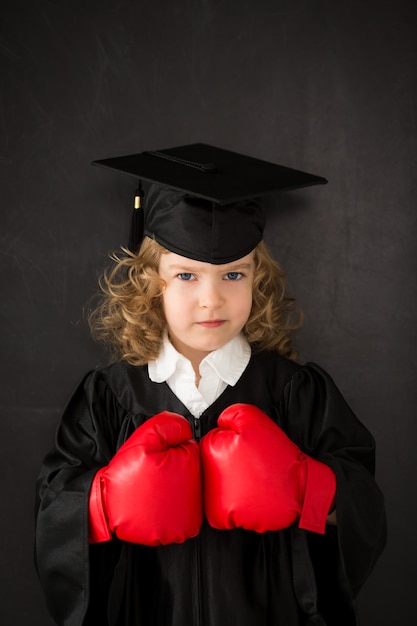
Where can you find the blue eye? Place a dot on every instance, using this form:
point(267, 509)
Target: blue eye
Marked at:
point(233, 275)
point(186, 276)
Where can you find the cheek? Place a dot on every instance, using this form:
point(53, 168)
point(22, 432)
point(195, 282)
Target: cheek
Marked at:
point(246, 300)
point(242, 305)
point(172, 302)
point(166, 301)
point(248, 309)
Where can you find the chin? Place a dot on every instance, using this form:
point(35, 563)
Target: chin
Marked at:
point(210, 347)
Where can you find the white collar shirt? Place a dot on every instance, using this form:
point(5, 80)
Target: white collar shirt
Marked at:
point(218, 369)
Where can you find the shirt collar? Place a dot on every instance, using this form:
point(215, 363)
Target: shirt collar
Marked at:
point(229, 362)
point(166, 363)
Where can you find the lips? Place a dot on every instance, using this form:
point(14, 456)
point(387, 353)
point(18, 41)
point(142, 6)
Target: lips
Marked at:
point(211, 323)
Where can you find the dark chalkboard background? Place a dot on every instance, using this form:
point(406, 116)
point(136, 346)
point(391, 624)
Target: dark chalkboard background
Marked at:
point(325, 86)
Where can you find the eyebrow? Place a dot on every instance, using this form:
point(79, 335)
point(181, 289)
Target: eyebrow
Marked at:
point(231, 268)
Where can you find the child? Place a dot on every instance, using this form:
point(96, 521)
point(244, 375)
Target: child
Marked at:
point(205, 478)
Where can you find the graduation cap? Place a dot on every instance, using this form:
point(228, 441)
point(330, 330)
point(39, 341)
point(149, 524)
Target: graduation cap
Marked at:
point(203, 201)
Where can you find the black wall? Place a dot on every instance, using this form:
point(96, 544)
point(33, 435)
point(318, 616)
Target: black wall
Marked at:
point(319, 85)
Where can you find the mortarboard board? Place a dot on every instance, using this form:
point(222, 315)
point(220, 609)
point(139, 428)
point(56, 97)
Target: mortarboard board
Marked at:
point(203, 202)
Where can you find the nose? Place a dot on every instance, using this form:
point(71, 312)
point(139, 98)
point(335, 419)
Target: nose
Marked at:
point(210, 296)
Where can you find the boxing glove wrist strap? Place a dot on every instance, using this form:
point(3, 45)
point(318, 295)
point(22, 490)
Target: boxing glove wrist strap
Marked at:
point(319, 495)
point(98, 527)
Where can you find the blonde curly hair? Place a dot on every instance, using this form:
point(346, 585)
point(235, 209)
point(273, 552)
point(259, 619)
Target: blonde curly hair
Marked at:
point(129, 316)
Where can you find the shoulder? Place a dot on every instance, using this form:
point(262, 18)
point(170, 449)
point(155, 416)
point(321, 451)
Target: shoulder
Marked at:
point(293, 383)
point(118, 371)
point(271, 362)
point(120, 381)
point(273, 369)
point(312, 379)
point(291, 371)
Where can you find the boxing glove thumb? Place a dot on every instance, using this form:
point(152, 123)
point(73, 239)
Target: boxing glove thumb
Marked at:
point(150, 492)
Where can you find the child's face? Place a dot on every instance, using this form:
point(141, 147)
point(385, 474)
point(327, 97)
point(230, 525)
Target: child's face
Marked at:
point(205, 305)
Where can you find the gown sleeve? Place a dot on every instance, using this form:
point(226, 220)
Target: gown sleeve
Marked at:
point(318, 419)
point(84, 442)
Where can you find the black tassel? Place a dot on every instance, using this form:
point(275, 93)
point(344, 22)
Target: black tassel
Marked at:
point(136, 225)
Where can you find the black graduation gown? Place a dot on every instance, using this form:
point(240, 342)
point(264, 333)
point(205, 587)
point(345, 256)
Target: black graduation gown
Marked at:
point(236, 577)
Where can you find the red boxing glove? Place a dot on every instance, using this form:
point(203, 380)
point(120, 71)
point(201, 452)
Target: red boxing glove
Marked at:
point(256, 478)
point(150, 492)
